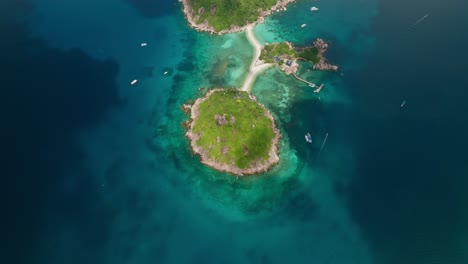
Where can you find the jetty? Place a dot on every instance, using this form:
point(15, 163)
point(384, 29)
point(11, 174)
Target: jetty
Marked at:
point(309, 83)
point(318, 88)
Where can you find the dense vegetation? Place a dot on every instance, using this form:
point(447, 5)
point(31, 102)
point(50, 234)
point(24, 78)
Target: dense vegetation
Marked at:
point(283, 50)
point(246, 135)
point(230, 12)
point(276, 49)
point(309, 54)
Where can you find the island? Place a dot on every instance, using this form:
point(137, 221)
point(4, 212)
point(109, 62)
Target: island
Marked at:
point(228, 128)
point(221, 16)
point(285, 56)
point(232, 132)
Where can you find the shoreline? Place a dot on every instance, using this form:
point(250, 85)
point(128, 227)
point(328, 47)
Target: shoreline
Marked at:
point(206, 27)
point(254, 68)
point(323, 64)
point(257, 166)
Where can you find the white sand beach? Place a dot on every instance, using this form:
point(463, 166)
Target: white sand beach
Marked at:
point(256, 66)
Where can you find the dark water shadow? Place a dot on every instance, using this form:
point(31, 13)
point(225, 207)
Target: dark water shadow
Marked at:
point(48, 96)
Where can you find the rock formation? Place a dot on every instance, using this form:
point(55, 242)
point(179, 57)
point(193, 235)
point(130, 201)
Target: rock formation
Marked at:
point(323, 65)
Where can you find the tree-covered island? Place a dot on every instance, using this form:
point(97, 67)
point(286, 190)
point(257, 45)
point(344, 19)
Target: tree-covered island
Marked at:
point(232, 132)
point(227, 16)
point(285, 56)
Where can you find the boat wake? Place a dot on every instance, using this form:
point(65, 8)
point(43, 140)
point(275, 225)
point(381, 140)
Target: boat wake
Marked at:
point(420, 20)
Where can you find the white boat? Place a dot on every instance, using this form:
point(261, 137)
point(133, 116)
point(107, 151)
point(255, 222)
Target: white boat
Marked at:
point(303, 25)
point(403, 104)
point(165, 72)
point(144, 44)
point(313, 9)
point(308, 138)
point(134, 82)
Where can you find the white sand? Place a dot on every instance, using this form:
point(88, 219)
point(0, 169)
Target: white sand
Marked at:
point(254, 68)
point(247, 86)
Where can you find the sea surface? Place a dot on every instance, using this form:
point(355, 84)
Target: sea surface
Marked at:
point(96, 170)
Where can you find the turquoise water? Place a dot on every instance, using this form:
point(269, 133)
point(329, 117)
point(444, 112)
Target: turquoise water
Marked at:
point(130, 190)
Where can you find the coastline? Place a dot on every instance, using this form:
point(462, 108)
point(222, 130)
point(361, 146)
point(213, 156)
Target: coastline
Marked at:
point(247, 86)
point(206, 27)
point(323, 64)
point(256, 66)
point(257, 166)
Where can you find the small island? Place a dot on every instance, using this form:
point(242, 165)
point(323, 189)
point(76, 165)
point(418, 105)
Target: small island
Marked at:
point(221, 16)
point(285, 56)
point(232, 132)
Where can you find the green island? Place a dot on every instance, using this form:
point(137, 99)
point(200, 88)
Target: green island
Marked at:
point(227, 13)
point(222, 16)
point(282, 52)
point(232, 132)
point(285, 56)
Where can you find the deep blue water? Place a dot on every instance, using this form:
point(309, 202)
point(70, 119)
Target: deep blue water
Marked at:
point(410, 191)
point(97, 171)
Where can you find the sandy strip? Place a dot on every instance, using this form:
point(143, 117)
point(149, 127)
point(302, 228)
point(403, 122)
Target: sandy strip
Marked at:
point(254, 42)
point(254, 69)
point(247, 86)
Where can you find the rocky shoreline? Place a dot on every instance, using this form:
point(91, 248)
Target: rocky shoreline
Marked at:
point(323, 65)
point(192, 17)
point(256, 167)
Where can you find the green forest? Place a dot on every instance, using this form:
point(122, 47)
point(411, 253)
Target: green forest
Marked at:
point(229, 12)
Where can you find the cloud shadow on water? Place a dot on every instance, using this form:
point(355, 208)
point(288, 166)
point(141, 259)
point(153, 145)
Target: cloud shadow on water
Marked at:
point(48, 96)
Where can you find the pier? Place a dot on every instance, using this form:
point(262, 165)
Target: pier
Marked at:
point(309, 83)
point(318, 89)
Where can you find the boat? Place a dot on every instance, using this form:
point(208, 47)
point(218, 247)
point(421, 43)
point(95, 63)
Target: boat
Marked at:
point(303, 25)
point(144, 44)
point(308, 137)
point(402, 104)
point(165, 72)
point(134, 82)
point(314, 9)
